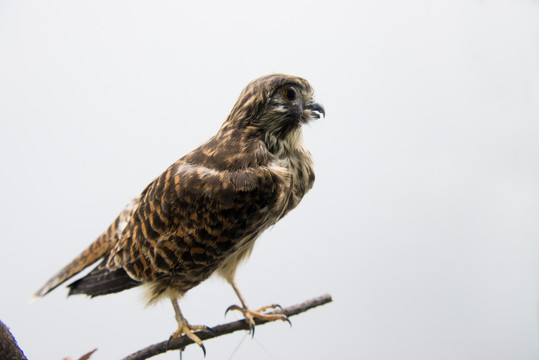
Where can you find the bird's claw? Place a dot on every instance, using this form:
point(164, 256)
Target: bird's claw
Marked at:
point(187, 330)
point(251, 315)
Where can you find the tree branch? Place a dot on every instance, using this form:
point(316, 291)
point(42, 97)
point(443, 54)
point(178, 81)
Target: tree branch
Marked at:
point(8, 345)
point(183, 341)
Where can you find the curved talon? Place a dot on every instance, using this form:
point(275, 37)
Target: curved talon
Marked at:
point(251, 322)
point(233, 307)
point(285, 318)
point(210, 330)
point(203, 349)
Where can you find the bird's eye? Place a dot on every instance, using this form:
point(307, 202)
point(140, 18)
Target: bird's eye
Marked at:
point(289, 93)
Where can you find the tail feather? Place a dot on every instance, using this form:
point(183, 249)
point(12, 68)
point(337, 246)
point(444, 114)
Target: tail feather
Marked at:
point(102, 281)
point(98, 250)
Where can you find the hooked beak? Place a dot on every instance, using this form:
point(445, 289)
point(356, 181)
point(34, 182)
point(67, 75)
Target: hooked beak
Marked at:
point(316, 110)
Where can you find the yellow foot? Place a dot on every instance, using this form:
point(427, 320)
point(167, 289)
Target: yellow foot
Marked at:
point(251, 315)
point(188, 330)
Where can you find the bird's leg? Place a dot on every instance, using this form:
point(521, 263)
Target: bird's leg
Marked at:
point(251, 315)
point(184, 328)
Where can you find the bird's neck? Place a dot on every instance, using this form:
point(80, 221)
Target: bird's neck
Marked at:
point(292, 163)
point(290, 146)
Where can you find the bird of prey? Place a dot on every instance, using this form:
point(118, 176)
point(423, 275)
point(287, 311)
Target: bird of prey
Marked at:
point(203, 214)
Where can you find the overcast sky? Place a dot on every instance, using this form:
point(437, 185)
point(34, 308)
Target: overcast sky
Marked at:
point(423, 221)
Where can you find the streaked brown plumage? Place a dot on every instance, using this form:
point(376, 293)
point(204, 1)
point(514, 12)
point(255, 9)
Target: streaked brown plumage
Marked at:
point(203, 214)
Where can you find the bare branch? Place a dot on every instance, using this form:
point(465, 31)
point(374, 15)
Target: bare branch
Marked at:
point(223, 329)
point(8, 345)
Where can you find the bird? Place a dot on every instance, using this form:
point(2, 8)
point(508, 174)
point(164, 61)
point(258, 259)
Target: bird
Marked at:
point(203, 214)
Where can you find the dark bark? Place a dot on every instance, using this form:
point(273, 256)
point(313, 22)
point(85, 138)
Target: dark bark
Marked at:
point(8, 346)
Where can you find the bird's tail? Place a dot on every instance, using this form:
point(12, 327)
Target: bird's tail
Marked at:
point(102, 281)
point(97, 250)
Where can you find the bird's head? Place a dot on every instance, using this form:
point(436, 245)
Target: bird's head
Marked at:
point(274, 107)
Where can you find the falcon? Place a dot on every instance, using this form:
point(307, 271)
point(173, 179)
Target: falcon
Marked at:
point(203, 214)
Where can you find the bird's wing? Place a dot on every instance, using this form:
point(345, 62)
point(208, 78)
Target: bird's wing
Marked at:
point(191, 217)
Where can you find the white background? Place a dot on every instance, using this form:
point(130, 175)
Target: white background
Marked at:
point(423, 222)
